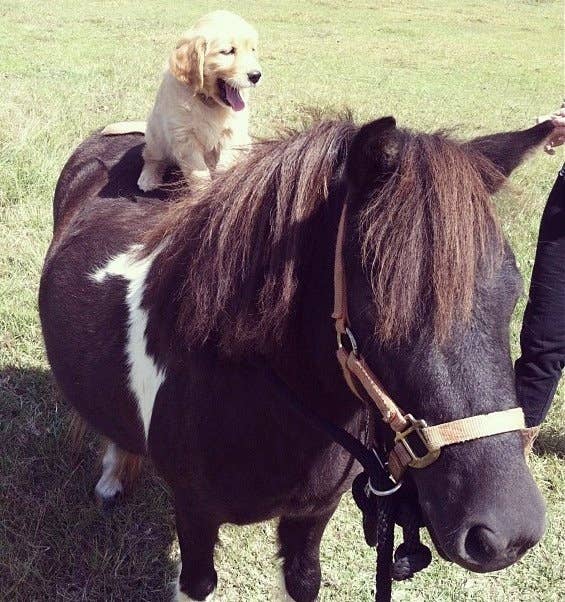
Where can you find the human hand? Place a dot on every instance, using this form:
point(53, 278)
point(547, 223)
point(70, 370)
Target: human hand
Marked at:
point(557, 137)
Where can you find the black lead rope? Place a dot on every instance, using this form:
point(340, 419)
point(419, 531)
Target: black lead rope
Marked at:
point(382, 503)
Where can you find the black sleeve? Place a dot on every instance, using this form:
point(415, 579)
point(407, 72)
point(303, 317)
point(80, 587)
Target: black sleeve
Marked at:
point(542, 339)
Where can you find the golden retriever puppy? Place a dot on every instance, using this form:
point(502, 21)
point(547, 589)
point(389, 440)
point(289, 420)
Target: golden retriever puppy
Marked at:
point(200, 117)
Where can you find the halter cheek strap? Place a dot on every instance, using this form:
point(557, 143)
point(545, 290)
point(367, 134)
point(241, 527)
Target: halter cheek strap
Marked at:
point(412, 435)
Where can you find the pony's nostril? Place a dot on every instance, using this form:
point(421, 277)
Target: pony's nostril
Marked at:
point(482, 545)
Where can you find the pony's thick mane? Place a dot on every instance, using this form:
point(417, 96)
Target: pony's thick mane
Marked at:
point(238, 242)
point(233, 250)
point(425, 235)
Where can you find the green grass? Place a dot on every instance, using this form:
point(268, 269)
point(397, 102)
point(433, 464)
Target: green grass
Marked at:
point(68, 67)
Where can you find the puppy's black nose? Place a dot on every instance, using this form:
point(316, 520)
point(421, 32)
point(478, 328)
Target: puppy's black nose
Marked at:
point(254, 76)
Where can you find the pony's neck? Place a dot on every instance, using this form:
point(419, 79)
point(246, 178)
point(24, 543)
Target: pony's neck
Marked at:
point(307, 359)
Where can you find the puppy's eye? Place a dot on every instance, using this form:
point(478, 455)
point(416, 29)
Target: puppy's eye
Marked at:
point(228, 51)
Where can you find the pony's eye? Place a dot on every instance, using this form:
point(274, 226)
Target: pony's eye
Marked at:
point(227, 52)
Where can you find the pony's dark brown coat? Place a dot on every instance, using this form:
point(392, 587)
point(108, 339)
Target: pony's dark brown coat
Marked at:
point(244, 269)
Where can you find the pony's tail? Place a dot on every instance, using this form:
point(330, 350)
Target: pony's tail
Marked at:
point(128, 465)
point(76, 432)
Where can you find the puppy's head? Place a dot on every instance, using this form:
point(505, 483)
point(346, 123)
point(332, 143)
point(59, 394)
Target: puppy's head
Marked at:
point(218, 58)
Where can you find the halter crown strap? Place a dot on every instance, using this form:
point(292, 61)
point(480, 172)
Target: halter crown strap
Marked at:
point(355, 369)
point(340, 294)
point(410, 432)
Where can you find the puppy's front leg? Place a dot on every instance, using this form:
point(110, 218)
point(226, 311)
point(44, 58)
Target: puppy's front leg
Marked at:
point(228, 157)
point(193, 165)
point(234, 147)
point(154, 162)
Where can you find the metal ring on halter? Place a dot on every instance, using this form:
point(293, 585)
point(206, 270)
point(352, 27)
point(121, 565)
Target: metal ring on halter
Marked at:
point(378, 492)
point(352, 341)
point(381, 493)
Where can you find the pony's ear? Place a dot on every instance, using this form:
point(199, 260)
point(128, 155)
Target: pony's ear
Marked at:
point(373, 153)
point(187, 62)
point(508, 149)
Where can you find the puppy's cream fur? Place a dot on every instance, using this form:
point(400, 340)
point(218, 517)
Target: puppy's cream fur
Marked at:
point(192, 122)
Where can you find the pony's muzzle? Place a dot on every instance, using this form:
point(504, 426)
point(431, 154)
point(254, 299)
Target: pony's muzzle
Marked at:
point(494, 512)
point(489, 547)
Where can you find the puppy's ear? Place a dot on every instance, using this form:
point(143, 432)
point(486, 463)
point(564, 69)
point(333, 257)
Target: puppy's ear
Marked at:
point(187, 62)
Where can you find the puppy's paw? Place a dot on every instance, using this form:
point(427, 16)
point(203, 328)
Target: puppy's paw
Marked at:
point(202, 175)
point(148, 180)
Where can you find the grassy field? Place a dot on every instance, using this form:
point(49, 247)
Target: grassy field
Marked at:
point(68, 67)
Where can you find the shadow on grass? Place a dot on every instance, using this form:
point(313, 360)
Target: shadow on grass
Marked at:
point(550, 442)
point(56, 543)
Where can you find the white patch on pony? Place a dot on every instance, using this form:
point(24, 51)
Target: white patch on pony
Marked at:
point(109, 486)
point(145, 377)
point(182, 597)
point(282, 595)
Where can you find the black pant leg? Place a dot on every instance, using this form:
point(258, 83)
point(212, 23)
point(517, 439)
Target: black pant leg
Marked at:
point(542, 339)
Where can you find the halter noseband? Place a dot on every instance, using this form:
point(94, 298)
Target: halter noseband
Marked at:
point(410, 432)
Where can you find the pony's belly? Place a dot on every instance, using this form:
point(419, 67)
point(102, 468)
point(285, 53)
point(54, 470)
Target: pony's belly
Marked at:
point(302, 501)
point(254, 499)
point(94, 387)
point(86, 325)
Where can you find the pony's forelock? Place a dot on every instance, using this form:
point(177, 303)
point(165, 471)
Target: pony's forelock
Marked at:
point(425, 234)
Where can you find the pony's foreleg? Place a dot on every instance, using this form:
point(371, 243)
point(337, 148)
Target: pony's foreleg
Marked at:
point(299, 541)
point(197, 535)
point(119, 469)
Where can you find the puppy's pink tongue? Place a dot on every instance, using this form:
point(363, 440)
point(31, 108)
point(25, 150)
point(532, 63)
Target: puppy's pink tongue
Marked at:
point(234, 98)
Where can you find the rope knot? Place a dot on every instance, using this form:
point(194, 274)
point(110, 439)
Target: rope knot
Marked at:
point(409, 559)
point(380, 514)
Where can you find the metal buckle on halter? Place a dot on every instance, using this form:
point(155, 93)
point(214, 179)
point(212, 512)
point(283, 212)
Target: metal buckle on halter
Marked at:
point(416, 427)
point(351, 340)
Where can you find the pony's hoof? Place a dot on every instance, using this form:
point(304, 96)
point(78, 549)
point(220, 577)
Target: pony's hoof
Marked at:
point(108, 504)
point(108, 492)
point(180, 596)
point(281, 593)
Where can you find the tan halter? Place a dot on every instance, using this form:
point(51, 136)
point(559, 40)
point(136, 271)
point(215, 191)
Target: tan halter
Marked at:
point(364, 383)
